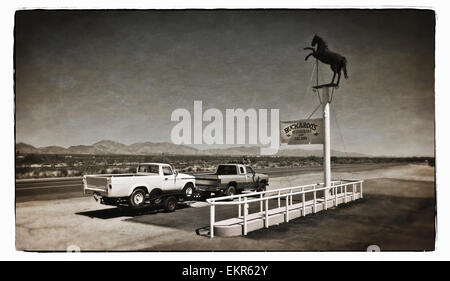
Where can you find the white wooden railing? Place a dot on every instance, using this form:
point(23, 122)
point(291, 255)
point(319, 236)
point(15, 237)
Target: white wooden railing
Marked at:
point(243, 200)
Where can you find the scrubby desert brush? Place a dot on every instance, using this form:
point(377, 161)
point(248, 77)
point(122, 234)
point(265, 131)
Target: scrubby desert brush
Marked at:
point(44, 165)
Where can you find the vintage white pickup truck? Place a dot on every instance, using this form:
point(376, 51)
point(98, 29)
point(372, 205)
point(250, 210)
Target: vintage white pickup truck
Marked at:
point(230, 179)
point(151, 184)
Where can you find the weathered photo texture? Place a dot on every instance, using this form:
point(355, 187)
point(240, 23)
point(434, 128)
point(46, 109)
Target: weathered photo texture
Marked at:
point(225, 130)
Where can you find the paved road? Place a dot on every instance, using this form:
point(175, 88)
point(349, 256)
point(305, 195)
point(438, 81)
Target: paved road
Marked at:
point(48, 189)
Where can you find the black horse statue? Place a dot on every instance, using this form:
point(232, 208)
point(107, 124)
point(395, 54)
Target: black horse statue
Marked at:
point(335, 60)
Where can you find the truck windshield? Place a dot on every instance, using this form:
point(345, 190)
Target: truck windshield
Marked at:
point(226, 170)
point(148, 169)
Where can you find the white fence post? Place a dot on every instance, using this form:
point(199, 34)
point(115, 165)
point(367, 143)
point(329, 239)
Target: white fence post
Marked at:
point(345, 193)
point(353, 192)
point(335, 196)
point(279, 199)
point(245, 215)
point(212, 220)
point(315, 200)
point(266, 221)
point(261, 203)
point(239, 207)
point(360, 189)
point(304, 201)
point(287, 208)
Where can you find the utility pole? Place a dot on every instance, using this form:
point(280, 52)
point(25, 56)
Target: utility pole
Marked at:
point(324, 92)
point(327, 141)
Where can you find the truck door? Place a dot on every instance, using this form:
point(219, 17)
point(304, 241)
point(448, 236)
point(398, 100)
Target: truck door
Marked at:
point(250, 177)
point(169, 179)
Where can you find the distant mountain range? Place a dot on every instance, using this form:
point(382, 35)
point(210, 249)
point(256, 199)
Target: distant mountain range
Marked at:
point(151, 148)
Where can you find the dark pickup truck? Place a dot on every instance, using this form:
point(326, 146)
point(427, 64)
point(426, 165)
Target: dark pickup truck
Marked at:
point(230, 179)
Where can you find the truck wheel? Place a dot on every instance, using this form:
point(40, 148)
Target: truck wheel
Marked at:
point(188, 191)
point(231, 190)
point(170, 204)
point(137, 198)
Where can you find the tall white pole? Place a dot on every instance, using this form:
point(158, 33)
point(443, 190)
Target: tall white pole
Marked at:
point(327, 144)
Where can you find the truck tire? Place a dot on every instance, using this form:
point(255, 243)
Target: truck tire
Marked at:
point(137, 198)
point(170, 204)
point(231, 190)
point(261, 187)
point(188, 191)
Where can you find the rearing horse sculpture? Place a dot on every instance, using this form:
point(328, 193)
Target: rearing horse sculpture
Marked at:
point(335, 60)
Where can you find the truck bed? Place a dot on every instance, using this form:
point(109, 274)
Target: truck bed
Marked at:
point(118, 175)
point(101, 181)
point(207, 180)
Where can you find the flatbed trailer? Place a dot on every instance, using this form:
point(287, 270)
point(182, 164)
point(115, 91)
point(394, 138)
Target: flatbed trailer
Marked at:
point(167, 201)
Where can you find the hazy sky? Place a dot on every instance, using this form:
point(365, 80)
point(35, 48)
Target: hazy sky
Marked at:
point(84, 76)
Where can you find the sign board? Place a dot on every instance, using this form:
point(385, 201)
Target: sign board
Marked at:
point(302, 131)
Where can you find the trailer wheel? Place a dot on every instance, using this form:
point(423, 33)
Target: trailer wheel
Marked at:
point(170, 204)
point(137, 198)
point(199, 195)
point(156, 197)
point(188, 191)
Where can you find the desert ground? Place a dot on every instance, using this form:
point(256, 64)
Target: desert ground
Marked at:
point(396, 213)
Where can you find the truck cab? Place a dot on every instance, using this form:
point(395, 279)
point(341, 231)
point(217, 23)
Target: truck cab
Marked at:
point(167, 174)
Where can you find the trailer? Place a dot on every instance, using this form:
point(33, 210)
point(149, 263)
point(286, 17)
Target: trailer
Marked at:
point(165, 200)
